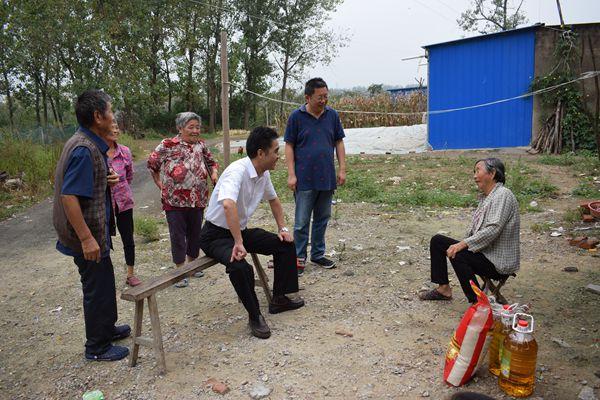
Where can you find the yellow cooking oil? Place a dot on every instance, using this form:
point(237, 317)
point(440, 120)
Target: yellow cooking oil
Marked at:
point(517, 366)
point(501, 329)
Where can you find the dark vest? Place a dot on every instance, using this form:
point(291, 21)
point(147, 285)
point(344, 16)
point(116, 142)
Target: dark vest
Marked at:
point(94, 209)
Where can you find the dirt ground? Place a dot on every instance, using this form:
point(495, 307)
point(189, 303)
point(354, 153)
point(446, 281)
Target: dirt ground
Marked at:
point(398, 343)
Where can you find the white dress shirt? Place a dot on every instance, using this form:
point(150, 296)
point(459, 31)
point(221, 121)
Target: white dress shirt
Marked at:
point(241, 183)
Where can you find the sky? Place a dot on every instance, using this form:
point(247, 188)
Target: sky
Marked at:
point(383, 32)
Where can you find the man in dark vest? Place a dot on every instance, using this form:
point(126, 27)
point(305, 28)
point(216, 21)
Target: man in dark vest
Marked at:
point(82, 218)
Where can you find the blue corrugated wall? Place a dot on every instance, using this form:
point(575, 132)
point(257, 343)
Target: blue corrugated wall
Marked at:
point(481, 70)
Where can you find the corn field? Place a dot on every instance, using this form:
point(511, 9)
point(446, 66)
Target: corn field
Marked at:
point(415, 102)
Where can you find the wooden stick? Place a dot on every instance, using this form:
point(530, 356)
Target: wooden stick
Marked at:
point(137, 331)
point(225, 99)
point(157, 335)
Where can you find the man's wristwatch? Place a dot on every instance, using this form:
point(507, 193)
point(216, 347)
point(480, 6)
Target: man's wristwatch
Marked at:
point(284, 229)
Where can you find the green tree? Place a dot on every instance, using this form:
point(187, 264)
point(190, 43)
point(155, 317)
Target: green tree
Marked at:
point(487, 16)
point(257, 28)
point(375, 89)
point(8, 58)
point(301, 40)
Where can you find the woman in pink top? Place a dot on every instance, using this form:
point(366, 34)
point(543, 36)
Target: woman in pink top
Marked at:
point(121, 162)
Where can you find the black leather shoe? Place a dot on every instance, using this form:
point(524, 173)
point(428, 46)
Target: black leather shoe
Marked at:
point(284, 303)
point(121, 332)
point(259, 327)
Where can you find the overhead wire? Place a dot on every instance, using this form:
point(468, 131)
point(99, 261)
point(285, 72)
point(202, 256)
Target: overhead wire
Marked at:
point(583, 76)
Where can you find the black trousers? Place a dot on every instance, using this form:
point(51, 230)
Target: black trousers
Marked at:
point(125, 226)
point(466, 264)
point(99, 303)
point(217, 242)
point(184, 231)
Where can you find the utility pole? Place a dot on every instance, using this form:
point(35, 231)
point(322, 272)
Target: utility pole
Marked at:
point(225, 99)
point(562, 22)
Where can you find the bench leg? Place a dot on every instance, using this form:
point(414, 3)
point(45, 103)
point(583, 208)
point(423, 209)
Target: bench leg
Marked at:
point(157, 335)
point(499, 298)
point(262, 276)
point(137, 331)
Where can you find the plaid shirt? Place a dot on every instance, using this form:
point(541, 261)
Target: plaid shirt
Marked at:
point(495, 229)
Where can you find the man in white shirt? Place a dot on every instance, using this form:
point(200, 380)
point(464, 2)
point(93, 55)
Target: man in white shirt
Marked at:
point(226, 238)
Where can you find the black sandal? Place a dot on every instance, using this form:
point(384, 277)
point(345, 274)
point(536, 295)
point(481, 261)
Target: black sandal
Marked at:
point(433, 294)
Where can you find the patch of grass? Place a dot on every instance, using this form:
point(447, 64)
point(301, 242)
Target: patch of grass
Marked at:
point(279, 179)
point(533, 208)
point(523, 181)
point(32, 162)
point(587, 189)
point(572, 215)
point(562, 159)
point(541, 227)
point(137, 150)
point(364, 186)
point(423, 180)
point(147, 227)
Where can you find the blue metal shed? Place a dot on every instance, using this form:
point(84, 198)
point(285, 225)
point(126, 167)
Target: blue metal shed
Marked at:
point(479, 70)
point(406, 91)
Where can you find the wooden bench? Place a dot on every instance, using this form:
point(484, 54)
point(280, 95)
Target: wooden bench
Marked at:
point(494, 286)
point(148, 289)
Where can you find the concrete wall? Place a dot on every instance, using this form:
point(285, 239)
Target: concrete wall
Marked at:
point(545, 39)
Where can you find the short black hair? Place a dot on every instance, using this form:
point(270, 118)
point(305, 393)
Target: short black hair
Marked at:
point(312, 84)
point(494, 164)
point(261, 138)
point(88, 102)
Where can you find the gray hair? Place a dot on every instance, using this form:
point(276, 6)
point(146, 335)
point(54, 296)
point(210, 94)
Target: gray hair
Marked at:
point(493, 164)
point(183, 118)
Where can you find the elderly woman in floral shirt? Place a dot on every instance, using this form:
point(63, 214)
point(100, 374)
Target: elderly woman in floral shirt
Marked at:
point(121, 162)
point(180, 167)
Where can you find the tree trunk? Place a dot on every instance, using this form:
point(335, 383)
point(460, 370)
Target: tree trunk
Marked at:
point(54, 114)
point(246, 110)
point(189, 94)
point(9, 100)
point(190, 71)
point(286, 63)
point(596, 115)
point(169, 84)
point(248, 99)
point(58, 110)
point(38, 117)
point(212, 101)
point(45, 101)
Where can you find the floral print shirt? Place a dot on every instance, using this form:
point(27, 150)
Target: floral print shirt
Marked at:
point(184, 172)
point(122, 163)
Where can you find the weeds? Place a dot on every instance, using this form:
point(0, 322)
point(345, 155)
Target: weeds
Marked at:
point(541, 227)
point(587, 190)
point(562, 159)
point(572, 216)
point(521, 179)
point(34, 164)
point(147, 227)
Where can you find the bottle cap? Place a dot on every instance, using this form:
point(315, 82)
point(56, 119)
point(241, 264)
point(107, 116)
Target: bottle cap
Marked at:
point(523, 324)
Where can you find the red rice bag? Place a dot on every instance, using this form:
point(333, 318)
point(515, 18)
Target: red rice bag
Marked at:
point(470, 341)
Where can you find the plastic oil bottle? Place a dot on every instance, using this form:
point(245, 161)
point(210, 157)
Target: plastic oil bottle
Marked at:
point(502, 328)
point(519, 355)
